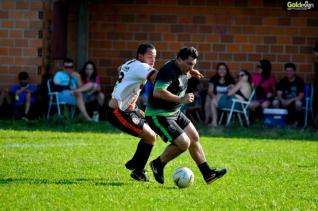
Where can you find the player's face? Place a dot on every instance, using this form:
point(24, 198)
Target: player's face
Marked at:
point(187, 64)
point(149, 57)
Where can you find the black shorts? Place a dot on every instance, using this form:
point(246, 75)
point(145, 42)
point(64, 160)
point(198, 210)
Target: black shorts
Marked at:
point(168, 127)
point(130, 121)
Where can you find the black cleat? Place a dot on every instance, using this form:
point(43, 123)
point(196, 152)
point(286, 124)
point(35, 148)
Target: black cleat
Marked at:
point(214, 175)
point(130, 165)
point(157, 172)
point(139, 175)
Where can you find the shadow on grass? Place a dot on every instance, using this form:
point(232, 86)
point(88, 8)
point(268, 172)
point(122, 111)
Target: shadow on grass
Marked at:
point(97, 182)
point(256, 131)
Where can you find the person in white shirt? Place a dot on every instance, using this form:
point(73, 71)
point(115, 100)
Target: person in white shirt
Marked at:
point(123, 113)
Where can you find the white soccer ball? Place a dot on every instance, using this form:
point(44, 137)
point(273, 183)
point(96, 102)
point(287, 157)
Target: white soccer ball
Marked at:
point(183, 177)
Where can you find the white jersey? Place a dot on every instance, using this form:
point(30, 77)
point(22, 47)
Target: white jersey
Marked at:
point(133, 74)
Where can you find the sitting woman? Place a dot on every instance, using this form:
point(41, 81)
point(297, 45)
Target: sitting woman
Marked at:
point(91, 87)
point(219, 85)
point(264, 84)
point(241, 91)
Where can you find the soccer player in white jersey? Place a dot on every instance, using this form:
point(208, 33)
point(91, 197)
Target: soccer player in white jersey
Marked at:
point(125, 115)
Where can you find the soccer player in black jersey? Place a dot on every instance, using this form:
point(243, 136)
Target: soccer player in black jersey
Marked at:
point(165, 118)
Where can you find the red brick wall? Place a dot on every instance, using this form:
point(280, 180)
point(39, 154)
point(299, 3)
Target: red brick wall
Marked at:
point(20, 26)
point(239, 33)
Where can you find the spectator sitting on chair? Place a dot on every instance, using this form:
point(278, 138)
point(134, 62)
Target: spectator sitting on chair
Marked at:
point(219, 85)
point(241, 91)
point(264, 83)
point(91, 87)
point(20, 95)
point(65, 81)
point(290, 93)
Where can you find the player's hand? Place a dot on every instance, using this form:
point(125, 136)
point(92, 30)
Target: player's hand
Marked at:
point(196, 74)
point(187, 98)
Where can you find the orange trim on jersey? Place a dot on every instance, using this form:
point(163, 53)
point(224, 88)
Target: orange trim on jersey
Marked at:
point(132, 105)
point(126, 123)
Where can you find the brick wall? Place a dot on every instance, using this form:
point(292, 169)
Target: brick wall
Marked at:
point(21, 40)
point(239, 33)
point(236, 32)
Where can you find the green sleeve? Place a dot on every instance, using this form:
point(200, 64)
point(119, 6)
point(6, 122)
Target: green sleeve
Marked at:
point(162, 84)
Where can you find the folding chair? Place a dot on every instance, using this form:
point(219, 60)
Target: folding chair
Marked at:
point(309, 96)
point(54, 100)
point(244, 109)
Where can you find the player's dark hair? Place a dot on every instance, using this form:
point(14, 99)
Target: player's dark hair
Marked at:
point(23, 76)
point(290, 65)
point(184, 53)
point(83, 72)
point(68, 60)
point(143, 48)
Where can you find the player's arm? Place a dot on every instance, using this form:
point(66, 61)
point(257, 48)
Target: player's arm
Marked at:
point(196, 74)
point(152, 75)
point(160, 91)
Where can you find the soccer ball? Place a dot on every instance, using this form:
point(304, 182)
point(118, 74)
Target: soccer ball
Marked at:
point(183, 177)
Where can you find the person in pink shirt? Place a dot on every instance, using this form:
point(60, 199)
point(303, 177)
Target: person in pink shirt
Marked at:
point(264, 84)
point(91, 87)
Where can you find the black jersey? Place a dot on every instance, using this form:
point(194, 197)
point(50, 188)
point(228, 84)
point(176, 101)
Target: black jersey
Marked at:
point(173, 80)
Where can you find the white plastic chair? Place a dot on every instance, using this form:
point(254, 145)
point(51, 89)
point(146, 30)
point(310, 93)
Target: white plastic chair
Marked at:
point(54, 100)
point(244, 109)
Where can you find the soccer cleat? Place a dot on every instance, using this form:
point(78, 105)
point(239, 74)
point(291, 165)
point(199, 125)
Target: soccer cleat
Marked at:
point(130, 165)
point(157, 172)
point(139, 175)
point(214, 175)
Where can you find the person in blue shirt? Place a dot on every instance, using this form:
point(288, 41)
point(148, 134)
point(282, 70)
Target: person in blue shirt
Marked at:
point(65, 82)
point(20, 95)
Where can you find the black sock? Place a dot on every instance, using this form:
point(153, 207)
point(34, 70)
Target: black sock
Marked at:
point(204, 168)
point(159, 163)
point(142, 154)
point(138, 151)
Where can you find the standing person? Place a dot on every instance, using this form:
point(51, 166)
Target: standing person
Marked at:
point(123, 113)
point(67, 80)
point(264, 83)
point(290, 93)
point(165, 118)
point(219, 85)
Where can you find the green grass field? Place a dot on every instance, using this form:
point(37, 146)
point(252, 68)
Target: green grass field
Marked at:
point(62, 165)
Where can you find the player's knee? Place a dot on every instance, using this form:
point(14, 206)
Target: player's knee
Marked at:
point(149, 137)
point(184, 144)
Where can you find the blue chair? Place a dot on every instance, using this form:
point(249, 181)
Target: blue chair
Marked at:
point(55, 101)
point(309, 96)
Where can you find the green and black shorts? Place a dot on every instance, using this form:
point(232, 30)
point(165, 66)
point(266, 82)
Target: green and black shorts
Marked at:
point(168, 127)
